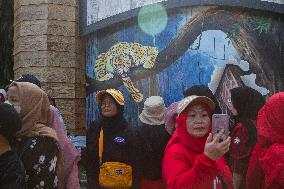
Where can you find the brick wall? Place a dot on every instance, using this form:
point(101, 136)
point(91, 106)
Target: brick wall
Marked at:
point(47, 45)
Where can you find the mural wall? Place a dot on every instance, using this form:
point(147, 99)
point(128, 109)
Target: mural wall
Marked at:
point(165, 51)
point(100, 9)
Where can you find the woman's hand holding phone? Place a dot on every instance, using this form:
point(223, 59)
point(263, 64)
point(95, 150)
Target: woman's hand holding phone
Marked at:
point(214, 149)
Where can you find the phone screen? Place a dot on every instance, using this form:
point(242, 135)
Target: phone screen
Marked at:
point(219, 122)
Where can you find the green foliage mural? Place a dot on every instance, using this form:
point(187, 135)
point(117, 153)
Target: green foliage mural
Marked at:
point(6, 41)
point(262, 26)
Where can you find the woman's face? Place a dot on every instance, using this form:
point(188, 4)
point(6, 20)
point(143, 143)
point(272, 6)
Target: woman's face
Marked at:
point(13, 98)
point(198, 121)
point(108, 106)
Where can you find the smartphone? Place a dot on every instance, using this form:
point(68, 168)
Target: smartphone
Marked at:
point(219, 122)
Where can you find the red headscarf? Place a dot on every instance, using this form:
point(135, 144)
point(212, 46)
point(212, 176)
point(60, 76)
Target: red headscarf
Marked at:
point(181, 135)
point(270, 123)
point(267, 160)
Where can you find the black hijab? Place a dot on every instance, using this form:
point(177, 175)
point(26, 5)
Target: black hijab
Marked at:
point(113, 124)
point(247, 102)
point(10, 121)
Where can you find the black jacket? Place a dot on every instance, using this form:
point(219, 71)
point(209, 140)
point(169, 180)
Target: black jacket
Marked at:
point(114, 150)
point(12, 172)
point(154, 139)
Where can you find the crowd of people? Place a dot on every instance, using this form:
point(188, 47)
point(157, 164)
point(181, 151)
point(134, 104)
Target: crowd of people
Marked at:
point(172, 147)
point(40, 150)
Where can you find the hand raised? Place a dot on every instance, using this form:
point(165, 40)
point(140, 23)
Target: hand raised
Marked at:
point(215, 149)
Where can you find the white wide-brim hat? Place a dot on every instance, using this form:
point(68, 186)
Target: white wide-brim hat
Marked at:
point(153, 112)
point(193, 99)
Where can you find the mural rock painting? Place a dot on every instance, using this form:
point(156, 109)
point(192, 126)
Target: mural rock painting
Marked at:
point(220, 47)
point(120, 58)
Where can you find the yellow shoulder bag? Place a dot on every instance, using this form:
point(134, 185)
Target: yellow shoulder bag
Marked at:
point(113, 175)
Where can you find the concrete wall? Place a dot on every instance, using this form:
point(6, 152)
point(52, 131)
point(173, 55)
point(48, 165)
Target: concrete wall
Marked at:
point(47, 45)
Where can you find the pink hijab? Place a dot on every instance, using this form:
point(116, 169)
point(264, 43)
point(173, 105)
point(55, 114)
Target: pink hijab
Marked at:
point(170, 117)
point(68, 176)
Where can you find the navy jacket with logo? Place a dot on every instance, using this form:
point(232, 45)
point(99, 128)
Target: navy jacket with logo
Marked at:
point(120, 145)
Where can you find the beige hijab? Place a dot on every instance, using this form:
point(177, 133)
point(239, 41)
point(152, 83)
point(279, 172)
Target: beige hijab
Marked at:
point(35, 113)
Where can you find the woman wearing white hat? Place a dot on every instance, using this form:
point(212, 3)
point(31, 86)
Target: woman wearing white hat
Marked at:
point(154, 139)
point(111, 146)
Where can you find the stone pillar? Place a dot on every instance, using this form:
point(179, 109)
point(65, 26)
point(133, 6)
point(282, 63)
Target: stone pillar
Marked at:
point(47, 45)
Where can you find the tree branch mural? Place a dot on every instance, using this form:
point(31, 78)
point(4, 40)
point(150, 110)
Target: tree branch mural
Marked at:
point(249, 36)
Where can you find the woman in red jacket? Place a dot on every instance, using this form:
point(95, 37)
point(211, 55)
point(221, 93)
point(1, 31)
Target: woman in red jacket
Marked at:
point(192, 158)
point(266, 168)
point(245, 104)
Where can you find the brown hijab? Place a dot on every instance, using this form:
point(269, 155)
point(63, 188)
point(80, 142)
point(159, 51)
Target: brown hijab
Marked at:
point(35, 114)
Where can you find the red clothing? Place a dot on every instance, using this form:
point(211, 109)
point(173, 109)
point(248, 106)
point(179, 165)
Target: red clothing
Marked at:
point(240, 149)
point(266, 169)
point(185, 166)
point(152, 184)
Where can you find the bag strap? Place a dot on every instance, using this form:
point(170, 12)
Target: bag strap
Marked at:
point(101, 145)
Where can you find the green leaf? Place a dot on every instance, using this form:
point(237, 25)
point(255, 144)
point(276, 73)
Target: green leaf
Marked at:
point(263, 25)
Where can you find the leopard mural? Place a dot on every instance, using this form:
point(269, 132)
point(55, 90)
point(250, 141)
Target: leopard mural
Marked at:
point(120, 58)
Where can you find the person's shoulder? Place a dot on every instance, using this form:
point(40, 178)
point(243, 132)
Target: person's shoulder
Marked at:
point(178, 152)
point(45, 140)
point(95, 122)
point(177, 148)
point(8, 156)
point(38, 144)
point(239, 128)
point(94, 125)
point(276, 150)
point(131, 131)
